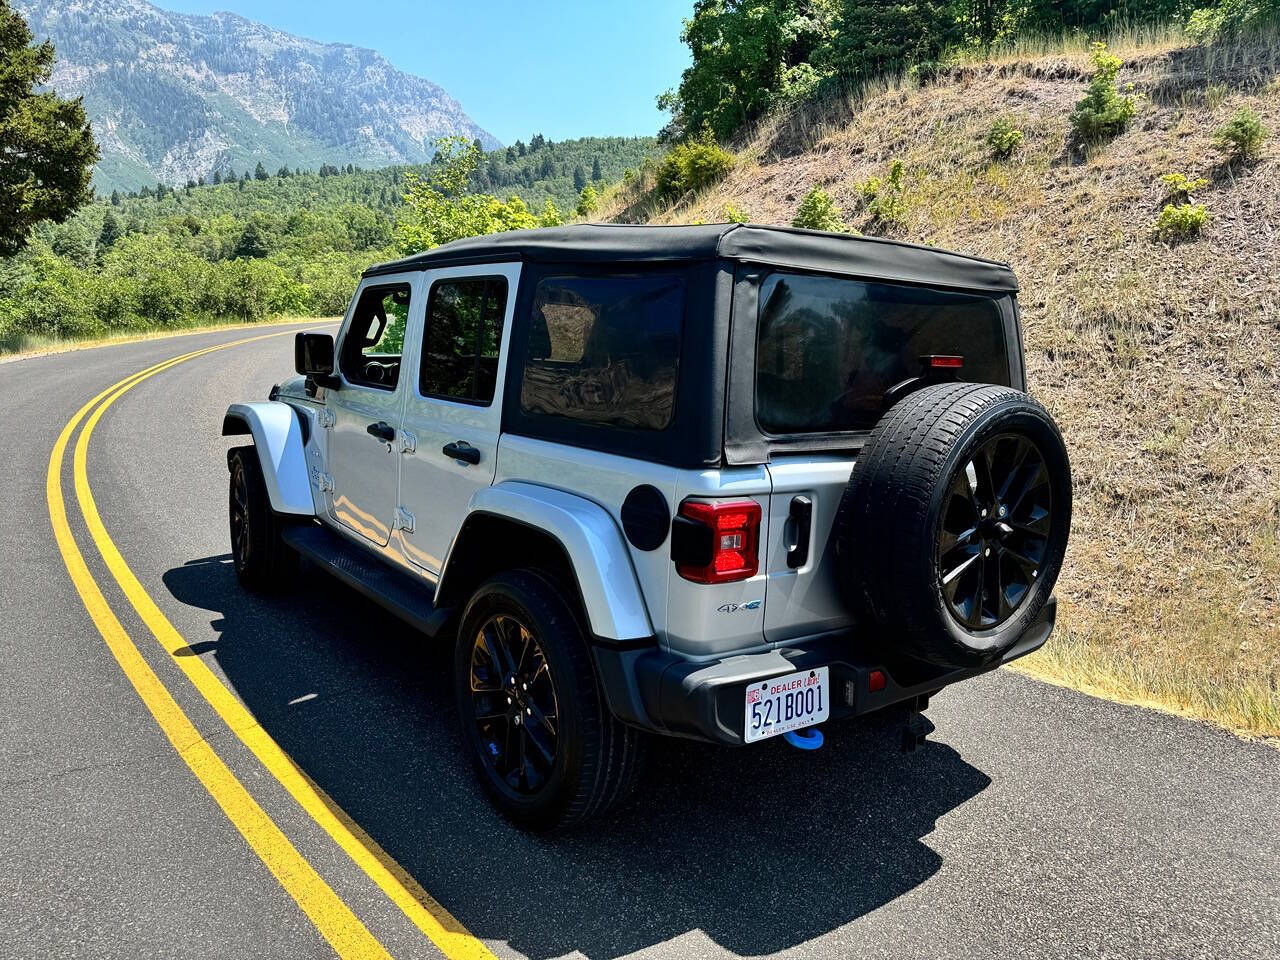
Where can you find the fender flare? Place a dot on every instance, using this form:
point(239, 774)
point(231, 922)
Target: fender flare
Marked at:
point(591, 540)
point(277, 435)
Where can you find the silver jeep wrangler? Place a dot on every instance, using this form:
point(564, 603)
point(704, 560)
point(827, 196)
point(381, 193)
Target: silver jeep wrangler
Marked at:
point(725, 482)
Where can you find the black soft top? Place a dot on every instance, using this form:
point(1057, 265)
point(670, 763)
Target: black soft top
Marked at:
point(865, 257)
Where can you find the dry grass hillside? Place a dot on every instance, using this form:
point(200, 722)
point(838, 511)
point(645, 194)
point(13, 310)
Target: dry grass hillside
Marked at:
point(1161, 363)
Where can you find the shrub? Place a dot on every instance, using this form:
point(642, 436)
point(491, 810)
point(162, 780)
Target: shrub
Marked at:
point(734, 214)
point(587, 201)
point(1178, 221)
point(693, 166)
point(1240, 138)
point(1181, 187)
point(886, 200)
point(1003, 138)
point(1103, 112)
point(819, 212)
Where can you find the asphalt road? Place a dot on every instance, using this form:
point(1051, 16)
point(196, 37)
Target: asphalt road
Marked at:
point(1036, 822)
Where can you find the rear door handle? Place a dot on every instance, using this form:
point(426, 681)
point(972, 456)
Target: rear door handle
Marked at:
point(461, 450)
point(796, 531)
point(382, 430)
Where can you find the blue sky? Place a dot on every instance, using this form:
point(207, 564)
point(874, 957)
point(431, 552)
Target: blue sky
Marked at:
point(565, 68)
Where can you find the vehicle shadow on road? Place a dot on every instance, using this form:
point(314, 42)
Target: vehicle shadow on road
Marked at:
point(760, 849)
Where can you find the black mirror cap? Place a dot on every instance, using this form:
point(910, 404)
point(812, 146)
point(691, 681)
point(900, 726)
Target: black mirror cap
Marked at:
point(313, 358)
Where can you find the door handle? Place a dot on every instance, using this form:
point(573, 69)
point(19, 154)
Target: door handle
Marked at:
point(796, 531)
point(461, 450)
point(382, 430)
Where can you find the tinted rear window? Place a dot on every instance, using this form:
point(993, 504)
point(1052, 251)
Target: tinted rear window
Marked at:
point(605, 350)
point(828, 349)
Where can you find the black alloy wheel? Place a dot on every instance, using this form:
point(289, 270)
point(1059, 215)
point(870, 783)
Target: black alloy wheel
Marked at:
point(241, 529)
point(514, 703)
point(261, 558)
point(994, 531)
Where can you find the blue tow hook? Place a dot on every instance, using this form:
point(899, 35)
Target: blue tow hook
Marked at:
point(810, 739)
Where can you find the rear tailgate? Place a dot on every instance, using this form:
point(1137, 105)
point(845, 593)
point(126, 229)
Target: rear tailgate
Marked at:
point(805, 599)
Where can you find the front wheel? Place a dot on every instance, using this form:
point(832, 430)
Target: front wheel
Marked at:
point(541, 739)
point(261, 558)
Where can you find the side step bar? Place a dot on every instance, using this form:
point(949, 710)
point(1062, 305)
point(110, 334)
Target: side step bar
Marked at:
point(403, 595)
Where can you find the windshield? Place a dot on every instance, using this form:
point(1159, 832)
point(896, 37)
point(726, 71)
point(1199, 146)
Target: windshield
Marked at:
point(828, 349)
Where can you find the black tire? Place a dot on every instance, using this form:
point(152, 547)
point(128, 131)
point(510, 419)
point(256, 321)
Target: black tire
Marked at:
point(595, 759)
point(261, 558)
point(920, 582)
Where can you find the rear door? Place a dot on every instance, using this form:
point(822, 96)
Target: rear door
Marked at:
point(453, 409)
point(803, 597)
point(827, 353)
point(363, 457)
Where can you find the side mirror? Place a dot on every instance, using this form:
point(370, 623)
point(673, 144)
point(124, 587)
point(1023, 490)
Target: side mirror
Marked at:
point(313, 357)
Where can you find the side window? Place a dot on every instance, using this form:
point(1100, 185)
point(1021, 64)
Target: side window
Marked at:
point(605, 350)
point(464, 332)
point(373, 344)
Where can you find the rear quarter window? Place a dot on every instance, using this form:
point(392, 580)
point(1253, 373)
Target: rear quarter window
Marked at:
point(828, 349)
point(604, 350)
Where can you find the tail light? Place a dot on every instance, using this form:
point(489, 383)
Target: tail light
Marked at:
point(716, 541)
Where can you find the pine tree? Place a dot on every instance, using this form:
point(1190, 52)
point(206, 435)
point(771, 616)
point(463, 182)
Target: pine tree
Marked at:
point(596, 174)
point(217, 177)
point(579, 178)
point(109, 234)
point(115, 198)
point(260, 172)
point(49, 151)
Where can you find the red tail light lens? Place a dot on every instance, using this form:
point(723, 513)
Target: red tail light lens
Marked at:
point(727, 545)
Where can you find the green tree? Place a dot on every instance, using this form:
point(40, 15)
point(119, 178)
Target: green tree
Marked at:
point(260, 172)
point(579, 178)
point(109, 233)
point(882, 36)
point(1103, 111)
point(747, 56)
point(440, 208)
point(596, 174)
point(47, 151)
point(255, 241)
point(587, 201)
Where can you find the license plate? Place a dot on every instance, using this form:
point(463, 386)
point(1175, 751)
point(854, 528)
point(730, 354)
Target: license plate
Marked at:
point(787, 703)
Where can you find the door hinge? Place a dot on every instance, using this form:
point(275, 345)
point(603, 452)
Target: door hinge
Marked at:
point(326, 417)
point(408, 442)
point(404, 520)
point(323, 481)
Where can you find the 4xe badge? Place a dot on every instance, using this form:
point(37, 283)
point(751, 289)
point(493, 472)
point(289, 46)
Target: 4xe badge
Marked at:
point(735, 607)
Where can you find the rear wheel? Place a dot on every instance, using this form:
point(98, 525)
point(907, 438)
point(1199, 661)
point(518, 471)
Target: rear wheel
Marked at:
point(261, 558)
point(541, 739)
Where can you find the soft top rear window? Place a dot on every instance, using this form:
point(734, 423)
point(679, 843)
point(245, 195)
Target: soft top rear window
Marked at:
point(828, 349)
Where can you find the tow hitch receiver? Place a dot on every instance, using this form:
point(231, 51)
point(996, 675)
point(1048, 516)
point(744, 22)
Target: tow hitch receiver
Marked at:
point(914, 731)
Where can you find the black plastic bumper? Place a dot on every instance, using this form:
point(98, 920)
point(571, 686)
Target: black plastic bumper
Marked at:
point(659, 691)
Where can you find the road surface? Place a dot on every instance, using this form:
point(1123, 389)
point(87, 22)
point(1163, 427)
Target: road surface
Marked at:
point(282, 777)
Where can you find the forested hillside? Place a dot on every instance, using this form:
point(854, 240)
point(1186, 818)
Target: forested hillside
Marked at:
point(257, 243)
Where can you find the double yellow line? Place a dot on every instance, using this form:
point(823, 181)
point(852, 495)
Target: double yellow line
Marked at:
point(332, 917)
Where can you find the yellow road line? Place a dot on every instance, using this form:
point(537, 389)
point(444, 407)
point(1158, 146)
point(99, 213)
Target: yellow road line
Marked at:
point(443, 929)
point(331, 916)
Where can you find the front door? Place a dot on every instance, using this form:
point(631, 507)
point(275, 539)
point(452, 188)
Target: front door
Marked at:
point(453, 413)
point(364, 445)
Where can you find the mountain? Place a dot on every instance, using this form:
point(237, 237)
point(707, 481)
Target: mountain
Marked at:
point(174, 96)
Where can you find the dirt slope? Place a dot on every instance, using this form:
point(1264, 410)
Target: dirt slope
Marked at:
point(1162, 363)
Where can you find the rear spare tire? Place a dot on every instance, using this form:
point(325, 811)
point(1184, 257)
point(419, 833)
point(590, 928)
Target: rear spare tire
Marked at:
point(953, 527)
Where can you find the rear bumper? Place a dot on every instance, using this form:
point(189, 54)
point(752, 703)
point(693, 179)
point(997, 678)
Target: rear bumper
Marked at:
point(659, 691)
